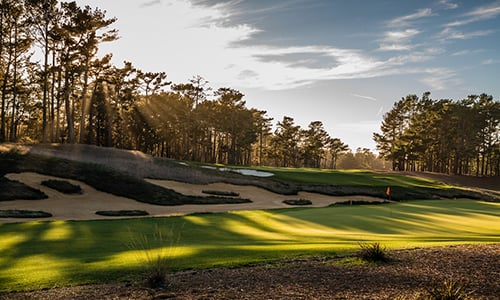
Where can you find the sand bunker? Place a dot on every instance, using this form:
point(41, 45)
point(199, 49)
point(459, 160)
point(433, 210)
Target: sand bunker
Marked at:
point(84, 206)
point(248, 172)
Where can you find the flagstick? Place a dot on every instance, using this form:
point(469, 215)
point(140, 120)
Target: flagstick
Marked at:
point(388, 193)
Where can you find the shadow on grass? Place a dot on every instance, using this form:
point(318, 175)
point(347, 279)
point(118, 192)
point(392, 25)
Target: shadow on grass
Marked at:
point(42, 254)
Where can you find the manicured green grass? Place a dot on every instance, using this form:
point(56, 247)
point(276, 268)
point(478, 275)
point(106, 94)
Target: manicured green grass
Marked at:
point(46, 254)
point(350, 177)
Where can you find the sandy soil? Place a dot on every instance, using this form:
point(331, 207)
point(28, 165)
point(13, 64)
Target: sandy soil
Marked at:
point(84, 206)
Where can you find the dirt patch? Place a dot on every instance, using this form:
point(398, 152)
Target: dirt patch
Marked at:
point(408, 275)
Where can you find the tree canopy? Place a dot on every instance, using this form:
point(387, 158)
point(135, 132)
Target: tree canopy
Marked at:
point(55, 88)
point(457, 137)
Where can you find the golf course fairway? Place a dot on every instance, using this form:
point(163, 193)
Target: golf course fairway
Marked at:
point(37, 255)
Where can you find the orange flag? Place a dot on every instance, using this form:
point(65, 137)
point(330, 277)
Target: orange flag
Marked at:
point(388, 191)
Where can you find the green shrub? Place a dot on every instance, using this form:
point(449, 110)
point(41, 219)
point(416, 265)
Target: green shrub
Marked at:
point(62, 186)
point(373, 252)
point(19, 213)
point(221, 193)
point(15, 190)
point(297, 202)
point(359, 202)
point(449, 289)
point(122, 213)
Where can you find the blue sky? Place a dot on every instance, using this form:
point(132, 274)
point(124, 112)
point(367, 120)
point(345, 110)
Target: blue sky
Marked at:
point(344, 62)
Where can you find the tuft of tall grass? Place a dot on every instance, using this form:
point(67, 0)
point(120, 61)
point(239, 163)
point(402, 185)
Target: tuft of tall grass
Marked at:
point(156, 254)
point(449, 289)
point(373, 252)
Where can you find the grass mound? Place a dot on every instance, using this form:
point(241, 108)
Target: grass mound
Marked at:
point(298, 202)
point(19, 213)
point(360, 202)
point(15, 190)
point(122, 213)
point(63, 186)
point(221, 193)
point(219, 200)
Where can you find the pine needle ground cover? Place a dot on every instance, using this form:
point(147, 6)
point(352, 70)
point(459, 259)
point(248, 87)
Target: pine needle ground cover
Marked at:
point(37, 255)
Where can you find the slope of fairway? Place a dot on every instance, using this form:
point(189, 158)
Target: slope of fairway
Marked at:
point(350, 177)
point(47, 254)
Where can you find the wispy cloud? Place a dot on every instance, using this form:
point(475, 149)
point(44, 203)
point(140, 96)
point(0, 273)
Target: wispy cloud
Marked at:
point(396, 36)
point(479, 14)
point(448, 4)
point(273, 71)
point(364, 97)
point(416, 56)
point(440, 78)
point(453, 34)
point(407, 19)
point(150, 3)
point(490, 62)
point(397, 40)
point(466, 52)
point(200, 38)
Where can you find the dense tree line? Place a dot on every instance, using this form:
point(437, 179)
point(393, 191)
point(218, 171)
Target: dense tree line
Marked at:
point(446, 136)
point(54, 88)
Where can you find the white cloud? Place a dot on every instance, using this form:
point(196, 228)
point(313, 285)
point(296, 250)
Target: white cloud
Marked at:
point(440, 78)
point(479, 14)
point(281, 74)
point(466, 52)
point(396, 36)
point(405, 20)
point(398, 40)
point(394, 47)
point(448, 5)
point(364, 97)
point(150, 3)
point(188, 39)
point(452, 34)
point(489, 62)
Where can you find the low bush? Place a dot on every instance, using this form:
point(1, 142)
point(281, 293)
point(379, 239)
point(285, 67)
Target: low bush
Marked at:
point(216, 200)
point(297, 202)
point(18, 213)
point(122, 213)
point(373, 252)
point(449, 289)
point(359, 202)
point(15, 190)
point(63, 186)
point(221, 193)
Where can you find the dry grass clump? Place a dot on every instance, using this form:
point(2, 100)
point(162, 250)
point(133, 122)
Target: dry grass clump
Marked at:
point(373, 252)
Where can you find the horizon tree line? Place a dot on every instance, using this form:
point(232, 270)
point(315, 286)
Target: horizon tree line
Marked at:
point(446, 136)
point(55, 88)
